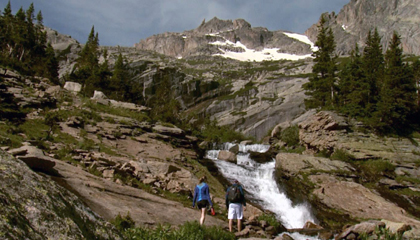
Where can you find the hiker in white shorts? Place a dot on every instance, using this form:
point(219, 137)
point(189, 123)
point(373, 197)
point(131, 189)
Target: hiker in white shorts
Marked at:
point(236, 204)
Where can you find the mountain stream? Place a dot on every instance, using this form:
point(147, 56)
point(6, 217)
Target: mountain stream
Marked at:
point(258, 180)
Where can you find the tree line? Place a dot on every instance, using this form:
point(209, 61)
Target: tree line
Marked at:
point(23, 43)
point(117, 84)
point(379, 88)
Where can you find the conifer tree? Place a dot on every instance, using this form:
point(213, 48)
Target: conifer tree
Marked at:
point(23, 44)
point(416, 72)
point(119, 80)
point(353, 89)
point(373, 68)
point(322, 86)
point(87, 64)
point(397, 92)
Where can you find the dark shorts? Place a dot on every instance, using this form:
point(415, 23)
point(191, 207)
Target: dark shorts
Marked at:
point(202, 204)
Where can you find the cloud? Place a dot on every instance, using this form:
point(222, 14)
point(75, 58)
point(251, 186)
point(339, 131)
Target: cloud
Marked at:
point(125, 22)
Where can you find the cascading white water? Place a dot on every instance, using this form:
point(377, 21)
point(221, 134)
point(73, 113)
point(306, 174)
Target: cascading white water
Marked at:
point(258, 181)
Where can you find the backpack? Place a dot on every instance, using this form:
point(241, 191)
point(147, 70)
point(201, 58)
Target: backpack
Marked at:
point(234, 194)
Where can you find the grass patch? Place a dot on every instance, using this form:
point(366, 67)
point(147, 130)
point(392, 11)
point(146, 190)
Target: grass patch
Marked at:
point(342, 155)
point(381, 233)
point(401, 179)
point(186, 231)
point(238, 113)
point(122, 112)
point(298, 149)
point(8, 135)
point(374, 169)
point(270, 219)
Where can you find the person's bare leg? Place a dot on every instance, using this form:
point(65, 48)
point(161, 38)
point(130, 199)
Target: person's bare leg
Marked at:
point(230, 225)
point(239, 225)
point(203, 216)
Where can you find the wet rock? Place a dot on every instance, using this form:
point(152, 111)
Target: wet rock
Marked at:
point(311, 225)
point(227, 156)
point(284, 236)
point(234, 149)
point(262, 157)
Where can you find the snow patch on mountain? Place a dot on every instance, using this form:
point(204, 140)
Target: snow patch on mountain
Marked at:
point(302, 38)
point(267, 54)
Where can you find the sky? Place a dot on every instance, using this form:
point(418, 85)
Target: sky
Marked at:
point(126, 22)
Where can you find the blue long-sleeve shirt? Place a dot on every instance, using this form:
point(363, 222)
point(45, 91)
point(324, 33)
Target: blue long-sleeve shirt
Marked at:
point(202, 192)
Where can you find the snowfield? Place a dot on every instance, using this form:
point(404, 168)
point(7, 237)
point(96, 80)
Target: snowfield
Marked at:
point(267, 54)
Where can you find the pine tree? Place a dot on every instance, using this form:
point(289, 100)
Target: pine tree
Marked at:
point(119, 81)
point(353, 89)
point(23, 44)
point(373, 68)
point(322, 86)
point(86, 70)
point(397, 92)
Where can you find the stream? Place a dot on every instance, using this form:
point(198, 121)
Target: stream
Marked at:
point(258, 180)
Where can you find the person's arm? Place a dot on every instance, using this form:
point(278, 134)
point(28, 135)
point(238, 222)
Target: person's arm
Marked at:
point(195, 196)
point(243, 196)
point(226, 199)
point(208, 195)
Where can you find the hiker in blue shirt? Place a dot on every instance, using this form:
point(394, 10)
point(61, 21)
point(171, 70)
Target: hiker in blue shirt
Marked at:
point(235, 199)
point(202, 198)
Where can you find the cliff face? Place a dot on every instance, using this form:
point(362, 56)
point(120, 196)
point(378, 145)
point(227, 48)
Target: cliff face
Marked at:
point(358, 17)
point(197, 42)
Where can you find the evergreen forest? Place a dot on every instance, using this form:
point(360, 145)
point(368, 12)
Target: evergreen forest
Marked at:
point(375, 86)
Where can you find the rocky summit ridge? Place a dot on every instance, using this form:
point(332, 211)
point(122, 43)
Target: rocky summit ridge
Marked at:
point(352, 24)
point(203, 40)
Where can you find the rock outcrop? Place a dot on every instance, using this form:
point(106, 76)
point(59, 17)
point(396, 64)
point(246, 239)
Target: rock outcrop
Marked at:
point(342, 184)
point(352, 24)
point(35, 207)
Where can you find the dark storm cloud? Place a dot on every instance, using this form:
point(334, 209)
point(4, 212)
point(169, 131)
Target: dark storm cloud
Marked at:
point(125, 22)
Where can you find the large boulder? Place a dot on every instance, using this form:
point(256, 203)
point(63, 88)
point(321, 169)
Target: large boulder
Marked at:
point(227, 156)
point(35, 207)
point(34, 158)
point(73, 87)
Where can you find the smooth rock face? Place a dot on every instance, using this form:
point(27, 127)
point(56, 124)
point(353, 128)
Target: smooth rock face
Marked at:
point(108, 199)
point(34, 207)
point(358, 17)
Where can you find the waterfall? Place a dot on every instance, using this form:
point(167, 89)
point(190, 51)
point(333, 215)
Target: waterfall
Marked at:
point(258, 180)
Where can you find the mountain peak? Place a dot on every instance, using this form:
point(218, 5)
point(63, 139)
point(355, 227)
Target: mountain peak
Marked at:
point(358, 17)
point(216, 25)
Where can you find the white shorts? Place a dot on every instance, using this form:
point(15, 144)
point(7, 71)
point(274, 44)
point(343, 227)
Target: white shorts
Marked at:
point(235, 211)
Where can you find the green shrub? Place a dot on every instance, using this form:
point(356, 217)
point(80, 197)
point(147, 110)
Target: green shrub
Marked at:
point(211, 132)
point(298, 149)
point(123, 222)
point(342, 155)
point(323, 153)
point(270, 219)
point(290, 136)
